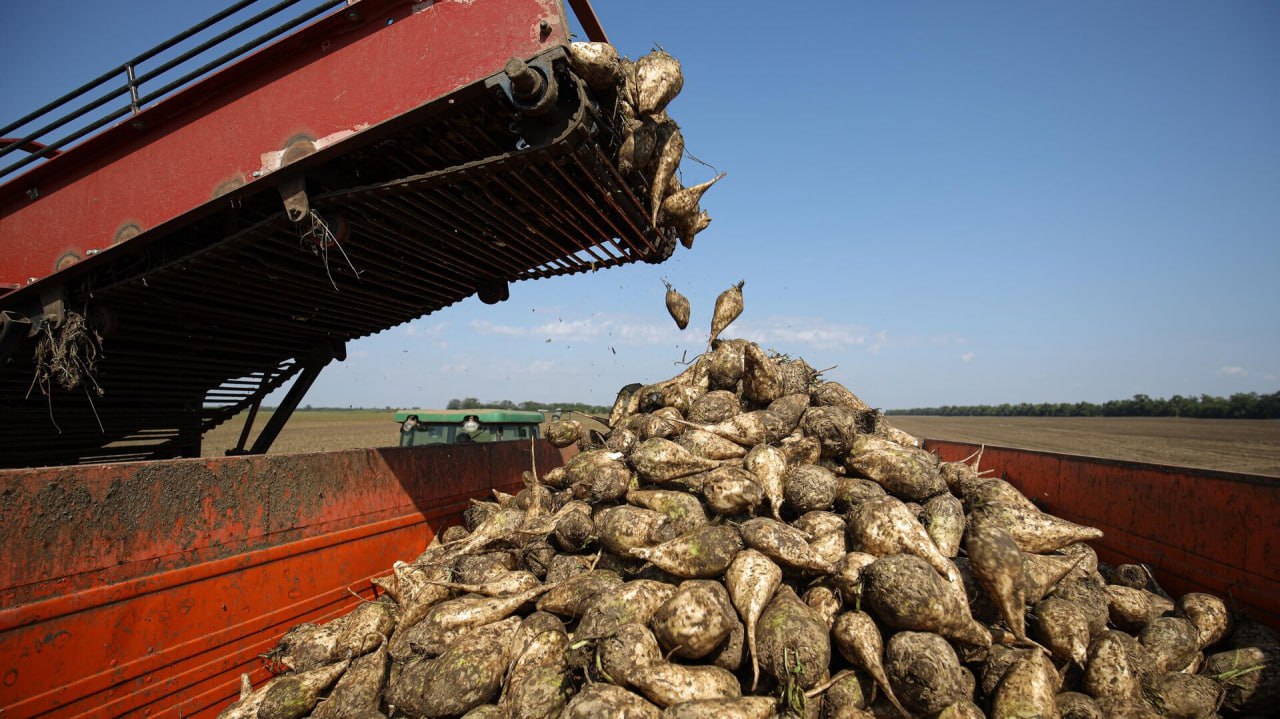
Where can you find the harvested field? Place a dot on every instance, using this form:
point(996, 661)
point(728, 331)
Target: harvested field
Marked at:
point(328, 430)
point(313, 431)
point(1232, 445)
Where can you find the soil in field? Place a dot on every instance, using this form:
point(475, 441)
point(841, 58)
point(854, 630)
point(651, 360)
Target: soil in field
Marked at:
point(314, 431)
point(329, 430)
point(1232, 445)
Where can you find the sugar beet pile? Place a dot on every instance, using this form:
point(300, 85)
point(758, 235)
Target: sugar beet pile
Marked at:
point(751, 540)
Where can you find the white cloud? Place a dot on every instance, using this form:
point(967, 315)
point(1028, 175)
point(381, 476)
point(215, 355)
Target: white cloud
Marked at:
point(881, 337)
point(967, 357)
point(576, 330)
point(540, 367)
point(1269, 377)
point(782, 333)
point(1233, 371)
point(485, 327)
point(512, 368)
point(433, 332)
point(820, 336)
point(647, 334)
point(599, 327)
point(779, 333)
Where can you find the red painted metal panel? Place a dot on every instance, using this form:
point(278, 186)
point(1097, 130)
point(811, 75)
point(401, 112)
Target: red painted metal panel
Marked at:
point(330, 82)
point(1200, 530)
point(157, 613)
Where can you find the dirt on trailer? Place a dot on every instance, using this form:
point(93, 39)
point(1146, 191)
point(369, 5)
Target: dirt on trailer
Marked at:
point(1231, 445)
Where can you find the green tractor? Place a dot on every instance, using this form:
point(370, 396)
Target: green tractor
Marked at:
point(456, 426)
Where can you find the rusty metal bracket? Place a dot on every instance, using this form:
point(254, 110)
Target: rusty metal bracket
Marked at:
point(530, 86)
point(293, 188)
point(293, 192)
point(53, 304)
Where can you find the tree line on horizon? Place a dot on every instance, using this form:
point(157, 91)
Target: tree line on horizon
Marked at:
point(1242, 405)
point(531, 406)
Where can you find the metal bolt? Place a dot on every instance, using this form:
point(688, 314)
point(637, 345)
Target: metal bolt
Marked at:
point(544, 29)
point(526, 82)
point(33, 193)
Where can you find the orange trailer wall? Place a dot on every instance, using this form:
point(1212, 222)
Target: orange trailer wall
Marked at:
point(145, 589)
point(1199, 530)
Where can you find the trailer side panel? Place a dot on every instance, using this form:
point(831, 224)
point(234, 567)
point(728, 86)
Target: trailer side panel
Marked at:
point(149, 587)
point(1199, 530)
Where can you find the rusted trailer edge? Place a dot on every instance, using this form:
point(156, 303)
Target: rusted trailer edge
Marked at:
point(935, 445)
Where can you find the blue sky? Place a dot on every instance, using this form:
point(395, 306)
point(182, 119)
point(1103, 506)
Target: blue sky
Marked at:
point(949, 203)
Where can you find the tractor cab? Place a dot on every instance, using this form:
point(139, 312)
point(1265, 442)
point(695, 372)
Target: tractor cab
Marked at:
point(457, 426)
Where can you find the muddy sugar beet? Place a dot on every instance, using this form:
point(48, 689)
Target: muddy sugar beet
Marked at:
point(753, 540)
